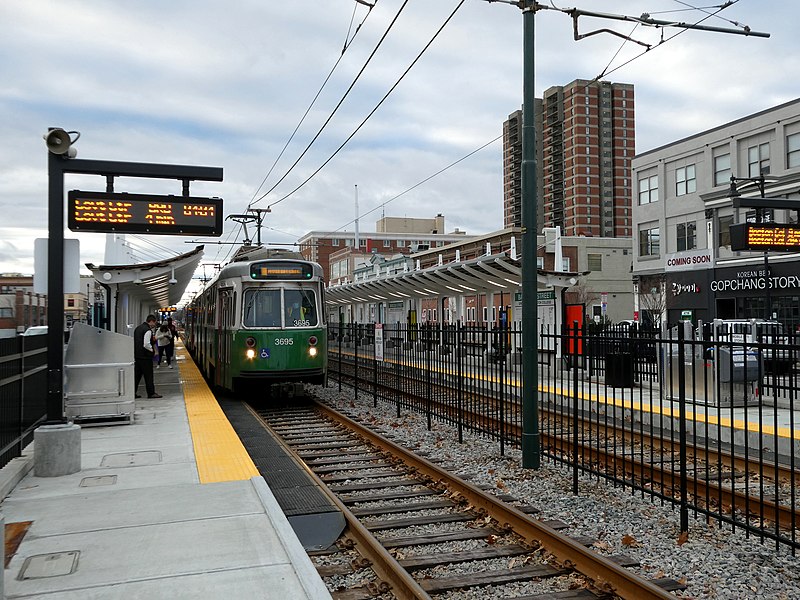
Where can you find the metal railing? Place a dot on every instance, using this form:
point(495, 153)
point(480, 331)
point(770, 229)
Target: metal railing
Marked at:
point(707, 426)
point(23, 392)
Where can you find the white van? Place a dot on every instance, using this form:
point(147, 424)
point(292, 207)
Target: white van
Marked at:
point(769, 337)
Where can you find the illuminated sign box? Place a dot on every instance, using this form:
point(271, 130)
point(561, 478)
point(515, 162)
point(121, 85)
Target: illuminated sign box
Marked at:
point(281, 270)
point(765, 237)
point(106, 212)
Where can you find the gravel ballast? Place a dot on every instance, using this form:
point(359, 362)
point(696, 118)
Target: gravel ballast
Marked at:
point(715, 562)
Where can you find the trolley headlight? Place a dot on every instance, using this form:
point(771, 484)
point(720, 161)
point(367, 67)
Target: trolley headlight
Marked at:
point(312, 351)
point(250, 353)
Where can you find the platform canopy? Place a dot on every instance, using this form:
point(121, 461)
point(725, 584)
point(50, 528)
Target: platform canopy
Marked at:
point(155, 284)
point(486, 274)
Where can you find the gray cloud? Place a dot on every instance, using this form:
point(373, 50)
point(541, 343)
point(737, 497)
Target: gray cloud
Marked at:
point(224, 85)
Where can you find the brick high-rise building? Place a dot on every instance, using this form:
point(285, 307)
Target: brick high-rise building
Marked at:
point(512, 167)
point(585, 142)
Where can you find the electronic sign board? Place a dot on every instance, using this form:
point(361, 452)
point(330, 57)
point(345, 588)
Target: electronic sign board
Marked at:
point(281, 270)
point(777, 237)
point(111, 212)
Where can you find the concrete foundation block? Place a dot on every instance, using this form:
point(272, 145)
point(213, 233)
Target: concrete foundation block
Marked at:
point(56, 450)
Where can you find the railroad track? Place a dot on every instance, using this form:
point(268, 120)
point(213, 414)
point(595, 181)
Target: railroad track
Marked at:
point(413, 526)
point(720, 481)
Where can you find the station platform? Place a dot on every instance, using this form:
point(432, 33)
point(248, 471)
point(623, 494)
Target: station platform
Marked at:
point(170, 506)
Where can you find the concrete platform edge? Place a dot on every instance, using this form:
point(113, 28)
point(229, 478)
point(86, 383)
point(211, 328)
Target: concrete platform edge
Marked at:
point(314, 586)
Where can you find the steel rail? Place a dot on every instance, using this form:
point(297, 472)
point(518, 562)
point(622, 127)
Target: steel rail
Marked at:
point(606, 574)
point(386, 567)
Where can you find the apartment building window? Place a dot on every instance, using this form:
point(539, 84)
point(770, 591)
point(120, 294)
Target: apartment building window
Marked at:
point(758, 160)
point(540, 262)
point(649, 242)
point(387, 243)
point(565, 263)
point(335, 242)
point(685, 180)
point(6, 313)
point(722, 169)
point(687, 236)
point(648, 189)
point(595, 262)
point(793, 150)
point(725, 230)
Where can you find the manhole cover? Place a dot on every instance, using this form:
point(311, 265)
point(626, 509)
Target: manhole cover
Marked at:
point(132, 459)
point(49, 565)
point(97, 481)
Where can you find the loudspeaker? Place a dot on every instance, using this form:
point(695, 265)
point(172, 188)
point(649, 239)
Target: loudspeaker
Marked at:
point(57, 141)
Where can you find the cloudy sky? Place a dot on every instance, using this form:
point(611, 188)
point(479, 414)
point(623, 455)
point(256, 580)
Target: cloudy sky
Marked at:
point(226, 84)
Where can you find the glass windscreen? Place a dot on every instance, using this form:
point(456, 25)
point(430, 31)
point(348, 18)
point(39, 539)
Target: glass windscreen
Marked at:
point(300, 308)
point(263, 308)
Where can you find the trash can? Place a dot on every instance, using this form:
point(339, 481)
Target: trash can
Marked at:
point(619, 369)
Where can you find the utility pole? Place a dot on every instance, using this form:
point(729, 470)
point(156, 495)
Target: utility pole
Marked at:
point(531, 452)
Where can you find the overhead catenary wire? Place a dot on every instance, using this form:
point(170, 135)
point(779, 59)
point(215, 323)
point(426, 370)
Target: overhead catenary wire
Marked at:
point(374, 110)
point(336, 108)
point(348, 41)
point(427, 179)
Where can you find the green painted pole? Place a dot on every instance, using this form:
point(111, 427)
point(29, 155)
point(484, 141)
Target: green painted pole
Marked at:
point(530, 370)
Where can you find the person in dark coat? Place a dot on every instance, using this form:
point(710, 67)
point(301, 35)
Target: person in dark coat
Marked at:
point(143, 352)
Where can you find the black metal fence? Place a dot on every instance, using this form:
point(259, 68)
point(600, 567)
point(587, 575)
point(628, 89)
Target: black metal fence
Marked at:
point(23, 392)
point(708, 426)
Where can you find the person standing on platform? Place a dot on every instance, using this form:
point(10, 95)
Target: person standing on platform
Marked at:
point(143, 353)
point(173, 329)
point(164, 341)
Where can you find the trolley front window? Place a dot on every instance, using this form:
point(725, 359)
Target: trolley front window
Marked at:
point(262, 308)
point(300, 308)
point(274, 307)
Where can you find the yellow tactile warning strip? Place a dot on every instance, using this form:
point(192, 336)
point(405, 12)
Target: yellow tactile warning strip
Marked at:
point(218, 451)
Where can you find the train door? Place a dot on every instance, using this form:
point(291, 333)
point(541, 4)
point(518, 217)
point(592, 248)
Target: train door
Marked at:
point(226, 301)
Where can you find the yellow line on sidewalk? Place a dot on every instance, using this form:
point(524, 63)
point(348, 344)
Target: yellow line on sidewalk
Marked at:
point(218, 451)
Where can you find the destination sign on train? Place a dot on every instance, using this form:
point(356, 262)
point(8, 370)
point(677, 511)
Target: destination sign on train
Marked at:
point(765, 236)
point(280, 270)
point(105, 212)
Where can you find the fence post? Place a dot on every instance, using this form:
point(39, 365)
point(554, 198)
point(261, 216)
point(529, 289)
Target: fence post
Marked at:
point(459, 354)
point(684, 506)
point(575, 409)
point(340, 358)
point(355, 361)
point(398, 372)
point(375, 371)
point(426, 348)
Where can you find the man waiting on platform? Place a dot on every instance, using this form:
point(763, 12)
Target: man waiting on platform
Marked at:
point(143, 352)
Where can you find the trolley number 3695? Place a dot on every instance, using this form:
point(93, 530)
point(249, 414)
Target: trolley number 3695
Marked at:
point(284, 341)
